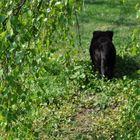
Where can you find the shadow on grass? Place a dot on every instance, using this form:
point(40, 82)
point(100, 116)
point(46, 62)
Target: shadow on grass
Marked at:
point(126, 66)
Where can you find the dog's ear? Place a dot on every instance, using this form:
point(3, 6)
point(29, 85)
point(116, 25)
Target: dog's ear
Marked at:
point(96, 34)
point(110, 34)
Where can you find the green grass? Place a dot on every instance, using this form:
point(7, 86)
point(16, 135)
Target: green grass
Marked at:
point(77, 104)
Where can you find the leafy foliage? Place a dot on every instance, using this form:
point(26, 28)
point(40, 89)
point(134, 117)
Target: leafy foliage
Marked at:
point(28, 38)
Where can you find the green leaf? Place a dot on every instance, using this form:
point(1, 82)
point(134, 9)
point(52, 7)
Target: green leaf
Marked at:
point(137, 91)
point(2, 18)
point(9, 27)
point(1, 72)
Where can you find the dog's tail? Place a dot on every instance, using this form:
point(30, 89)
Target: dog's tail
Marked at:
point(103, 68)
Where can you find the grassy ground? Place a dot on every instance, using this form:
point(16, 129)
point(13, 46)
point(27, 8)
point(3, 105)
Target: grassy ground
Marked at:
point(78, 104)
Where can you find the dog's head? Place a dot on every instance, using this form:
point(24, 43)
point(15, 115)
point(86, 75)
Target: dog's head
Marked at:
point(107, 34)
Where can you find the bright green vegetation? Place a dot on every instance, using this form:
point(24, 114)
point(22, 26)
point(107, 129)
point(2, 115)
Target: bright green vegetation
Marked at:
point(68, 101)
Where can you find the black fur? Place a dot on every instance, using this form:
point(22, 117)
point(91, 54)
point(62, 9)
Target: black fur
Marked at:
point(103, 53)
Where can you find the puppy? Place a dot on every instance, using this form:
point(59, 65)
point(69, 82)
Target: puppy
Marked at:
point(103, 53)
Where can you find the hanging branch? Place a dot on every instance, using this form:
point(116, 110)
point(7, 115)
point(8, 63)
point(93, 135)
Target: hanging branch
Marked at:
point(18, 9)
point(78, 28)
point(14, 13)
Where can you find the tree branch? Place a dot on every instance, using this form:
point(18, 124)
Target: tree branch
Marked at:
point(14, 13)
point(78, 28)
point(18, 9)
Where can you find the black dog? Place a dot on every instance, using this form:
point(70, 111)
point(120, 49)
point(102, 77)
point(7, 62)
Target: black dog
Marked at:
point(103, 53)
